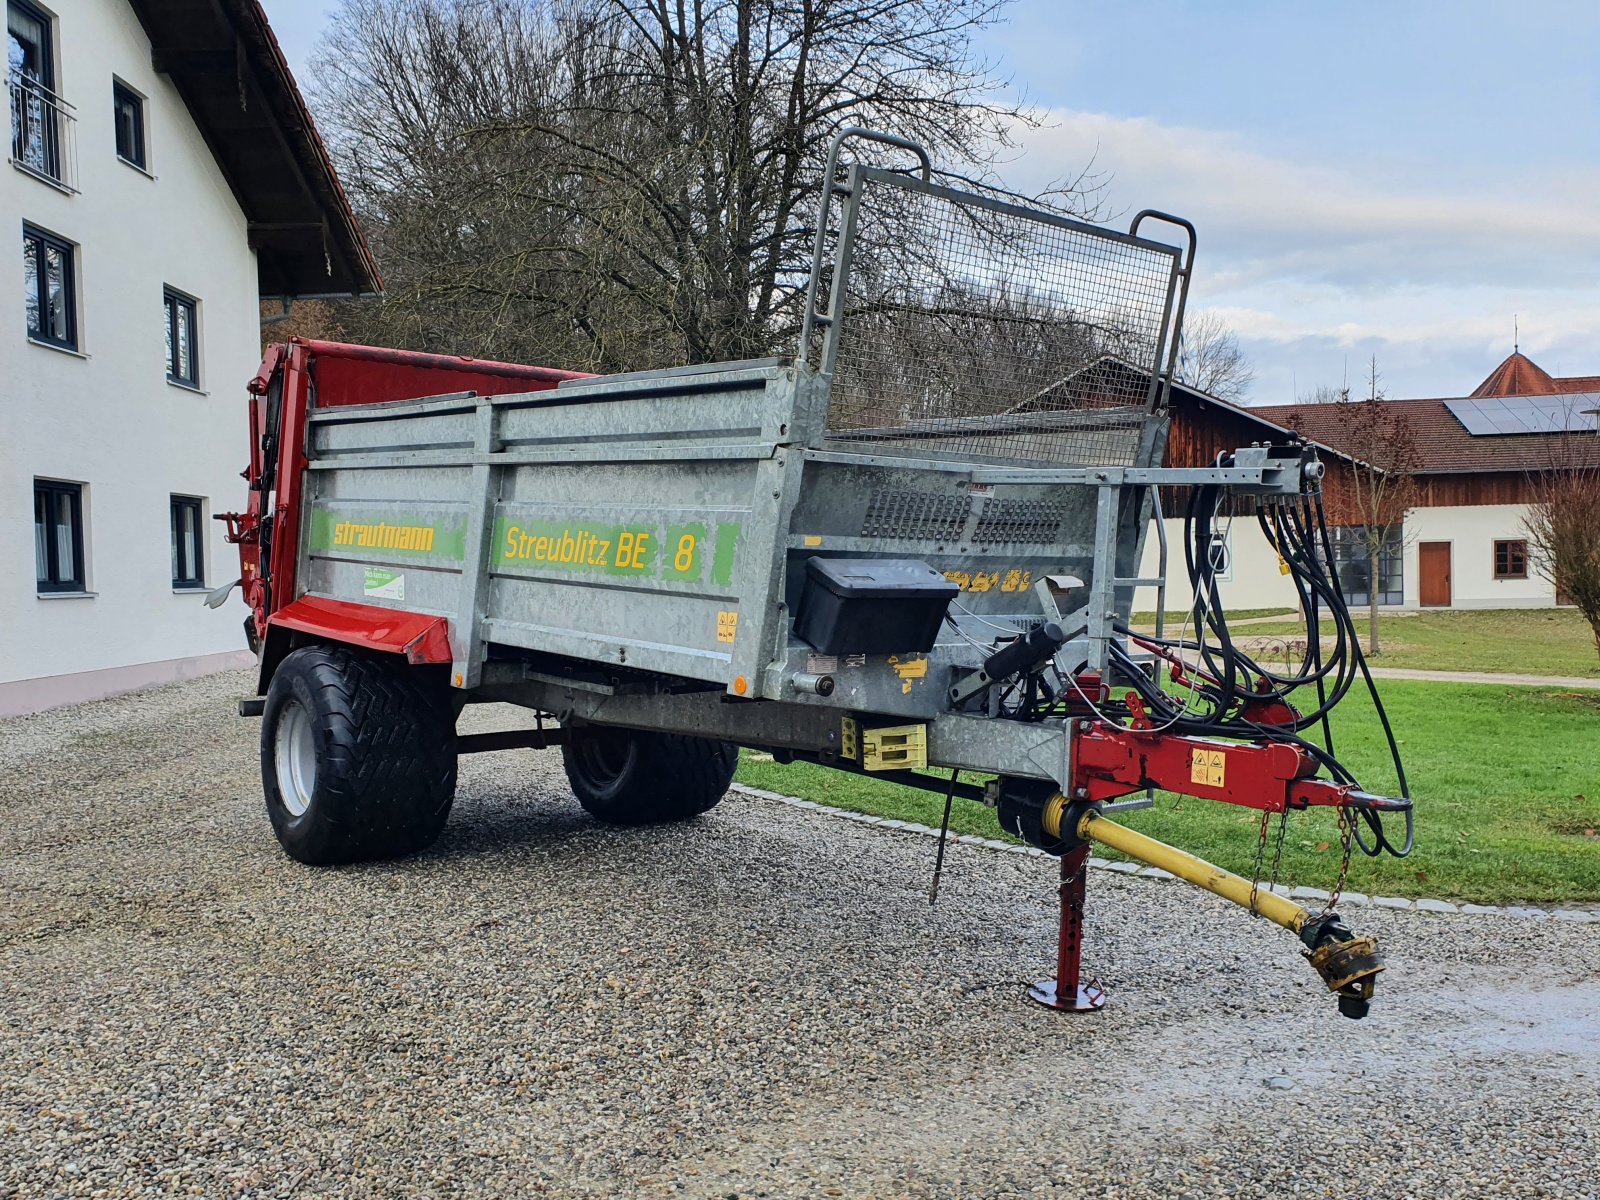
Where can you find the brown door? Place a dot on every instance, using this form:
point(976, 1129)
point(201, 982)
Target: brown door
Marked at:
point(1433, 561)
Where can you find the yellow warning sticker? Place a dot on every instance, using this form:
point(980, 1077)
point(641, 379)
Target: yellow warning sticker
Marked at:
point(1208, 767)
point(910, 669)
point(1013, 579)
point(727, 625)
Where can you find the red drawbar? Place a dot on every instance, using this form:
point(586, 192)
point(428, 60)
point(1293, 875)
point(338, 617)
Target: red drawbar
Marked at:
point(421, 638)
point(1111, 761)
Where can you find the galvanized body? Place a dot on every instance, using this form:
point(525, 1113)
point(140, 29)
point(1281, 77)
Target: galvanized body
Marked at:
point(661, 523)
point(608, 549)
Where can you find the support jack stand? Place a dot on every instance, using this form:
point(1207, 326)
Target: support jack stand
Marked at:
point(1065, 993)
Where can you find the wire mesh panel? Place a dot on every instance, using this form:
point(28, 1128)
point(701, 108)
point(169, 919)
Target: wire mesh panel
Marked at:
point(973, 328)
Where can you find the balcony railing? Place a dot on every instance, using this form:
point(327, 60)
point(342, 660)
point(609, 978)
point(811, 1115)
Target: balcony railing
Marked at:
point(44, 132)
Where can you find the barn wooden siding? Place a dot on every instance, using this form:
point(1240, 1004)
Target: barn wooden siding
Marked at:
point(1200, 431)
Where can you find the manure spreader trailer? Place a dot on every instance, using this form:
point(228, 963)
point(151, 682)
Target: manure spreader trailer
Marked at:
point(909, 549)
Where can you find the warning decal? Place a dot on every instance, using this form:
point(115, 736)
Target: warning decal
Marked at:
point(1209, 767)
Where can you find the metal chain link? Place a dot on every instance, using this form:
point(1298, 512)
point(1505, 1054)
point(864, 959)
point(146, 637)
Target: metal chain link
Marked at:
point(1277, 851)
point(1346, 836)
point(1261, 855)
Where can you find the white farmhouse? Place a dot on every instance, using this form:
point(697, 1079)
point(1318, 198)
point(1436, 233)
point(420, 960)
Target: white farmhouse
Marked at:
point(164, 176)
point(1479, 458)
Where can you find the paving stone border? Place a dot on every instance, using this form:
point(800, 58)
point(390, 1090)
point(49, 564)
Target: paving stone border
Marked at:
point(1346, 900)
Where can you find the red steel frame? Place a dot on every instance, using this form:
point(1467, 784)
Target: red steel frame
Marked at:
point(1110, 761)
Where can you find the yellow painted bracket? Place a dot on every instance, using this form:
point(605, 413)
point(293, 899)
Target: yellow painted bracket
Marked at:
point(894, 748)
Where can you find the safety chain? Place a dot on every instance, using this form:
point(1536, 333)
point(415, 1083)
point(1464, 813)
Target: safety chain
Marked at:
point(1346, 837)
point(1277, 851)
point(1261, 855)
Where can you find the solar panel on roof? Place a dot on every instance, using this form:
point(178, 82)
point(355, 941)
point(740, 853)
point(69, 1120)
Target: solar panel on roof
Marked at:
point(1472, 416)
point(1500, 416)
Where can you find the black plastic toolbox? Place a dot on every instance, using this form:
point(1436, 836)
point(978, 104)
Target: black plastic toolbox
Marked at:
point(872, 605)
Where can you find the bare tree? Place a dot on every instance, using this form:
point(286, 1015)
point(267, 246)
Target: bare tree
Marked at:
point(1373, 495)
point(1563, 526)
point(1324, 393)
point(620, 184)
point(1210, 359)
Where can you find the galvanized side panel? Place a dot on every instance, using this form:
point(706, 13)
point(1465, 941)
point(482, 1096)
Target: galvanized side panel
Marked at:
point(394, 537)
point(631, 563)
point(662, 523)
point(993, 540)
point(633, 521)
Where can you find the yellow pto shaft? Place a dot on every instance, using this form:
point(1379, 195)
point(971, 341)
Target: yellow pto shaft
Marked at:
point(1196, 870)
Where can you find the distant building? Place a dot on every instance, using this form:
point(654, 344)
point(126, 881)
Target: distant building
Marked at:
point(164, 176)
point(1464, 545)
point(1201, 427)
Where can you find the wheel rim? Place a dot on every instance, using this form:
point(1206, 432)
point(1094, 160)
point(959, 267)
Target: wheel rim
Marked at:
point(604, 758)
point(294, 755)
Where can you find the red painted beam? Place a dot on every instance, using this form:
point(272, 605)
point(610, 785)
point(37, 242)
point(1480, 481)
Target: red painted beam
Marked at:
point(420, 637)
point(1109, 762)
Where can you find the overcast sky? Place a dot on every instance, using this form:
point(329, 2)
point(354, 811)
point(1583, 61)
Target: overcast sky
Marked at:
point(1367, 177)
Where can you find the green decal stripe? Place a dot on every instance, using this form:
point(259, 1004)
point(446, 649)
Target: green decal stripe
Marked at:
point(386, 536)
point(722, 560)
point(675, 554)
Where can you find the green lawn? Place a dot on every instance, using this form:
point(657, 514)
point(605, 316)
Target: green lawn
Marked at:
point(1175, 619)
point(1507, 783)
point(1537, 641)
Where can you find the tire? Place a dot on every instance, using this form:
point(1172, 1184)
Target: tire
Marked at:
point(635, 777)
point(358, 756)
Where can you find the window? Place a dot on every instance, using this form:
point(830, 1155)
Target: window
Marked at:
point(127, 112)
point(49, 292)
point(58, 535)
point(1511, 559)
point(29, 55)
point(41, 122)
point(183, 353)
point(188, 549)
point(1217, 556)
point(1351, 560)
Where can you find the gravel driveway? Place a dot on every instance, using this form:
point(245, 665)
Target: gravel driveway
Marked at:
point(759, 1003)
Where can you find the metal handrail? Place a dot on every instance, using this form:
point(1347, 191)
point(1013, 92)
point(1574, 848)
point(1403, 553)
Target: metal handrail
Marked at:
point(18, 80)
point(43, 131)
point(813, 317)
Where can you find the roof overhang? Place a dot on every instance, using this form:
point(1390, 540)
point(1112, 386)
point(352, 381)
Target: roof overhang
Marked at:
point(1194, 397)
point(226, 64)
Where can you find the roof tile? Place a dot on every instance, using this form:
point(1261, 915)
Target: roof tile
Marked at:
point(1519, 375)
point(1443, 444)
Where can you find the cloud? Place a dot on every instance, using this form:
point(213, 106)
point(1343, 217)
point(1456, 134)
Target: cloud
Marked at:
point(1265, 212)
point(1315, 263)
